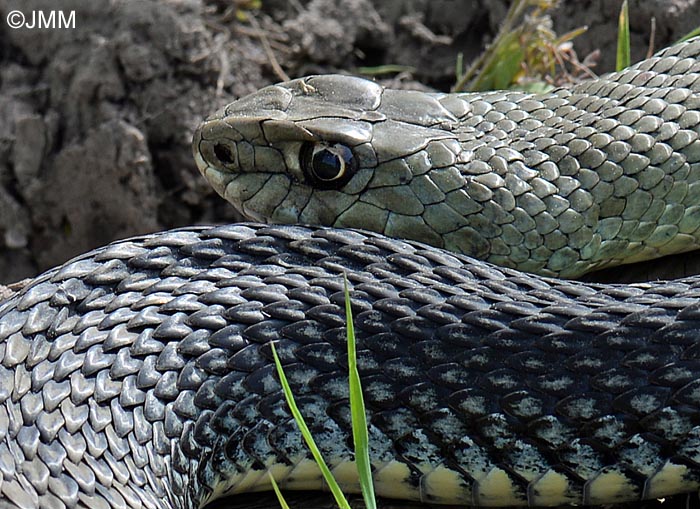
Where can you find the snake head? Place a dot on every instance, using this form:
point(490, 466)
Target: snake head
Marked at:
point(330, 150)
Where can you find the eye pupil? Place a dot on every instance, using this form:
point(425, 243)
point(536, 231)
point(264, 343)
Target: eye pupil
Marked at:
point(224, 154)
point(327, 165)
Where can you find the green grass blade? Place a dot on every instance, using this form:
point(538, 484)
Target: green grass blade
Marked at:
point(378, 70)
point(514, 12)
point(357, 409)
point(325, 471)
point(623, 38)
point(690, 35)
point(280, 497)
point(499, 72)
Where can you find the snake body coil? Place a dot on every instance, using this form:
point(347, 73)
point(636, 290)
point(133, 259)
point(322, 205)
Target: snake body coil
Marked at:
point(140, 374)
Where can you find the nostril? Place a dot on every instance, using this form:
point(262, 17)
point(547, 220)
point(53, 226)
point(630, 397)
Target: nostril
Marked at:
point(224, 153)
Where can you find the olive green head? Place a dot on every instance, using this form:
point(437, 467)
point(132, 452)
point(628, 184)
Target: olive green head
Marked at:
point(330, 150)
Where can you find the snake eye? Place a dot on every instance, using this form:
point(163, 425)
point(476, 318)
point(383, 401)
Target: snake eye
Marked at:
point(328, 166)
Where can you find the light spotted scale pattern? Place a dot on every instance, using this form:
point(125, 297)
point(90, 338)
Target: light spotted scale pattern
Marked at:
point(603, 173)
point(139, 375)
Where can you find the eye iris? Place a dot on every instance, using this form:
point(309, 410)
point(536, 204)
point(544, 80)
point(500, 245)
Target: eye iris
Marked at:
point(327, 165)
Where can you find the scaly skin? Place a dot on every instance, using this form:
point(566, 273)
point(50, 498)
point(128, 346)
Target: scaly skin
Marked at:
point(563, 183)
point(140, 374)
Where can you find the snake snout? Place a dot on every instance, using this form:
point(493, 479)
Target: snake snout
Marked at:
point(216, 153)
point(215, 146)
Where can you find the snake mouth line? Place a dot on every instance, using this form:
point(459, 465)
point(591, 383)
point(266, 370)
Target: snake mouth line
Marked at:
point(217, 178)
point(228, 186)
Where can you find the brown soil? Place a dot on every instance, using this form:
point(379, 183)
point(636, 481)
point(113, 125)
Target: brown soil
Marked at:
point(96, 120)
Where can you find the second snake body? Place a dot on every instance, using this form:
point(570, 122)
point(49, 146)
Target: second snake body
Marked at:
point(140, 375)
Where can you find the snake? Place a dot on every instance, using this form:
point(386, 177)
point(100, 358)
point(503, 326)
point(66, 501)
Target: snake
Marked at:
point(141, 374)
point(558, 184)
